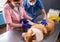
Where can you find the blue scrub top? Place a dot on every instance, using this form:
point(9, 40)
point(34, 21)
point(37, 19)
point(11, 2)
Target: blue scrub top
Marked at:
point(32, 11)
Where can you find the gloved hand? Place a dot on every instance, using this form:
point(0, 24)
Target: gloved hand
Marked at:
point(43, 22)
point(26, 25)
point(33, 20)
point(24, 21)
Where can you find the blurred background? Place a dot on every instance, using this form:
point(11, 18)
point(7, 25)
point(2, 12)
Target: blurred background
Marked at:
point(48, 4)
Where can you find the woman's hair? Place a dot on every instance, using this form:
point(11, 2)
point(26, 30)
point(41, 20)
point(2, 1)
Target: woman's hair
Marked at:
point(9, 1)
point(16, 0)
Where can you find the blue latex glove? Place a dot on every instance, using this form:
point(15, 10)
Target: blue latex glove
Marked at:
point(24, 21)
point(26, 25)
point(43, 22)
point(33, 20)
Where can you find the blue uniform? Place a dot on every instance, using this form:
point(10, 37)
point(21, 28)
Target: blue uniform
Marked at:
point(32, 11)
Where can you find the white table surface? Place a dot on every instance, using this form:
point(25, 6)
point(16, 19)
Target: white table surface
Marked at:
point(11, 36)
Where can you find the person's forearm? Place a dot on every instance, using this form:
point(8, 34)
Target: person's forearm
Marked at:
point(28, 17)
point(44, 13)
point(15, 25)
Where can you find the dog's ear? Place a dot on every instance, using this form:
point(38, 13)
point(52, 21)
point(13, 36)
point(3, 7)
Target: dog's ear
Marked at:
point(31, 32)
point(33, 36)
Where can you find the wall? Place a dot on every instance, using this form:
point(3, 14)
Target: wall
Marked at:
point(54, 4)
point(1, 19)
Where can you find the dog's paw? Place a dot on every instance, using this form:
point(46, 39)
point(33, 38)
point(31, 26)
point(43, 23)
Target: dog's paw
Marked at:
point(23, 34)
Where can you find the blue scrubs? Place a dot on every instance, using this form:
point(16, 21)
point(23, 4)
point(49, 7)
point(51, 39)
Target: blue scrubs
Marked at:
point(32, 11)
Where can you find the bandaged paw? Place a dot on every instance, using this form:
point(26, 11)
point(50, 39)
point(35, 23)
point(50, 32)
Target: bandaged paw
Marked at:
point(23, 34)
point(31, 23)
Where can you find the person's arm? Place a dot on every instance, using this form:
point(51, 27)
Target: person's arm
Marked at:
point(41, 6)
point(26, 15)
point(14, 25)
point(44, 13)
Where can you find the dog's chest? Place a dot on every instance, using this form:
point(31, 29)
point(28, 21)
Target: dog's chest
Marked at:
point(39, 34)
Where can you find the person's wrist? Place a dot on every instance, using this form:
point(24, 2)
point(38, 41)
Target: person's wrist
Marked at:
point(45, 16)
point(21, 25)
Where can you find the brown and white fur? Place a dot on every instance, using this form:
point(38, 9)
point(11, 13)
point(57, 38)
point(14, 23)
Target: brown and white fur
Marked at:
point(41, 30)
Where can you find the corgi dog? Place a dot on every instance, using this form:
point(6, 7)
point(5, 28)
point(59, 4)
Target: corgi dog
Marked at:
point(38, 31)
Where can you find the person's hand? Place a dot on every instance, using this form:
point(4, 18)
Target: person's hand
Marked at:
point(33, 20)
point(26, 25)
point(43, 22)
point(24, 21)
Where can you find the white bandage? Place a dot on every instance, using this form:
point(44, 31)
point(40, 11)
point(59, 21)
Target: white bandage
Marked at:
point(23, 34)
point(31, 23)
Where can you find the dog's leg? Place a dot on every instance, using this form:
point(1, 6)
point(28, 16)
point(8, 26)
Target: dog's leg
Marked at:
point(50, 26)
point(43, 28)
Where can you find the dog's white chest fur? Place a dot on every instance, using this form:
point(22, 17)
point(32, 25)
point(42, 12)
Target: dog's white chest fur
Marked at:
point(39, 34)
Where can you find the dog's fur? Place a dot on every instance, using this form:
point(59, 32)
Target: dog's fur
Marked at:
point(46, 30)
